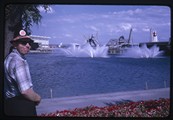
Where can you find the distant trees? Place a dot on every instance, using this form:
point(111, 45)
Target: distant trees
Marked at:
point(20, 16)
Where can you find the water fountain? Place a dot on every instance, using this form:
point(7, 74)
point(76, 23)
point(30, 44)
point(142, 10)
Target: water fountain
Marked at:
point(102, 51)
point(142, 52)
point(85, 51)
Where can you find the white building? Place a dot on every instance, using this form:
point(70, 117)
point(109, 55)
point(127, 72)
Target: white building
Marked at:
point(43, 41)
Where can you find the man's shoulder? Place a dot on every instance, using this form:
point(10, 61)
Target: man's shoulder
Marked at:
point(15, 57)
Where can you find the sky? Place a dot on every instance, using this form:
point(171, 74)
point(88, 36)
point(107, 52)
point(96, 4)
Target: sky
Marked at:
point(76, 23)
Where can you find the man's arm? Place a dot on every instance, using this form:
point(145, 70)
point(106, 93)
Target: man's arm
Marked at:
point(31, 95)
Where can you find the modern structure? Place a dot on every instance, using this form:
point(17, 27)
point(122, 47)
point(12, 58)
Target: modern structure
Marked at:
point(41, 41)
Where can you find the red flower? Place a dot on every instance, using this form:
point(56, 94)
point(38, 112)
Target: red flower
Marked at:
point(151, 108)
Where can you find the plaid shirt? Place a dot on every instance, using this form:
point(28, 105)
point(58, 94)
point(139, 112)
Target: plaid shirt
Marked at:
point(17, 75)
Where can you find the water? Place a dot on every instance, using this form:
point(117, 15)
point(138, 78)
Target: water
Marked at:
point(101, 51)
point(85, 51)
point(75, 76)
point(143, 52)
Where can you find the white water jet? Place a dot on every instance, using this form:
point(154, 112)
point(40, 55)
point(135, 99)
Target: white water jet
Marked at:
point(85, 51)
point(142, 52)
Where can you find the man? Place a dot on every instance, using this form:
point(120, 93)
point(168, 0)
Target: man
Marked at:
point(20, 98)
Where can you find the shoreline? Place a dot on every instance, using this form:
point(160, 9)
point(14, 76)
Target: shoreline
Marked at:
point(67, 103)
point(38, 51)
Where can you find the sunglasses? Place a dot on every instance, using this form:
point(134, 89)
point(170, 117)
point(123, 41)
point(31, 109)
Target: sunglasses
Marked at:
point(25, 42)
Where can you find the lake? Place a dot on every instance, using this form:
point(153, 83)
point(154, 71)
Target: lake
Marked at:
point(75, 76)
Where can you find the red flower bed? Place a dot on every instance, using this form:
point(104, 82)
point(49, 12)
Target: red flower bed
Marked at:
point(150, 108)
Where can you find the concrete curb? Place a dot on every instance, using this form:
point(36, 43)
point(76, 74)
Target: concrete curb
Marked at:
point(66, 103)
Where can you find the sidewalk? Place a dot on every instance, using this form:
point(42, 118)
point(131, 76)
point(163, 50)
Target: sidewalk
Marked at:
point(66, 103)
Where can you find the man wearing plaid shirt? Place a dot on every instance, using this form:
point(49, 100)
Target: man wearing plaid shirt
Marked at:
point(20, 98)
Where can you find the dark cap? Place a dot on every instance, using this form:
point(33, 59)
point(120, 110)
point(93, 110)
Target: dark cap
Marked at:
point(22, 37)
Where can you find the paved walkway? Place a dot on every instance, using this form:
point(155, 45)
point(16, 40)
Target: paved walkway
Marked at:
point(66, 103)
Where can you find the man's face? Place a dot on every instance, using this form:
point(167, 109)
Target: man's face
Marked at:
point(23, 47)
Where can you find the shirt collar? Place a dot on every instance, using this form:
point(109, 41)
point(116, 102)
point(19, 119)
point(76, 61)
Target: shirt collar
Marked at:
point(17, 52)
